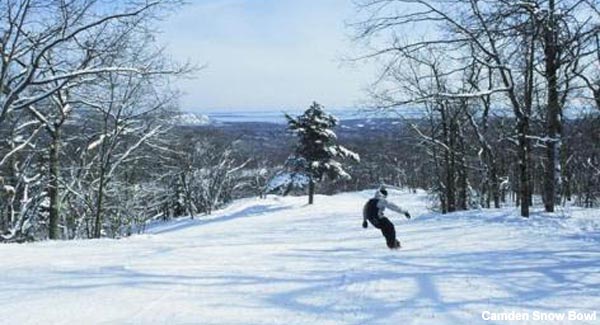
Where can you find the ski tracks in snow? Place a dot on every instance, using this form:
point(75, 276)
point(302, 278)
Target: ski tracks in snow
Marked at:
point(280, 261)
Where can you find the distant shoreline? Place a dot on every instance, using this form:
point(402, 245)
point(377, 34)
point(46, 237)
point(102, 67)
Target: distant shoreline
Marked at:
point(277, 117)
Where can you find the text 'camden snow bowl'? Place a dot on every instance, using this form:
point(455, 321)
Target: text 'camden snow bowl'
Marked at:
point(539, 316)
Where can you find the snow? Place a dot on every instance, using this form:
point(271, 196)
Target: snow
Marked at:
point(284, 179)
point(347, 153)
point(280, 261)
point(329, 134)
point(190, 119)
point(8, 189)
point(96, 143)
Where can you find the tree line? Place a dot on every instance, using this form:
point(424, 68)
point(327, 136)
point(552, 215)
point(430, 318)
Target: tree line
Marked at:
point(497, 75)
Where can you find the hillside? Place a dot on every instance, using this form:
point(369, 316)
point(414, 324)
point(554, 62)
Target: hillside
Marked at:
point(279, 261)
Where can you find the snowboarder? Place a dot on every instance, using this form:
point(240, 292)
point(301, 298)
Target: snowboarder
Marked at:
point(373, 212)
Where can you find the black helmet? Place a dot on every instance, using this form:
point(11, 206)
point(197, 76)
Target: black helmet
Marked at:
point(383, 191)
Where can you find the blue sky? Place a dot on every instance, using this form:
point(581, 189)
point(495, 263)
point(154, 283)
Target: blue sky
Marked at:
point(266, 54)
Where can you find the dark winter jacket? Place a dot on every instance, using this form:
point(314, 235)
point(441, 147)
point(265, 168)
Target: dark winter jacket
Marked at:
point(381, 204)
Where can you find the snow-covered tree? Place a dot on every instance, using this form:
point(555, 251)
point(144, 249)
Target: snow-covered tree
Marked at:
point(53, 53)
point(317, 146)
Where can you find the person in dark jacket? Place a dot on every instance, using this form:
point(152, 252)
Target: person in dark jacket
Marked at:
point(373, 212)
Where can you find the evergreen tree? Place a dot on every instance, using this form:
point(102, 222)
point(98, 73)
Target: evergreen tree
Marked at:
point(317, 147)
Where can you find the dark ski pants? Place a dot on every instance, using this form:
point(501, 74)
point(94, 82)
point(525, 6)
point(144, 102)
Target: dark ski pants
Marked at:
point(387, 229)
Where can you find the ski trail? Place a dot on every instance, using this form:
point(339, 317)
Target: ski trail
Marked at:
point(280, 261)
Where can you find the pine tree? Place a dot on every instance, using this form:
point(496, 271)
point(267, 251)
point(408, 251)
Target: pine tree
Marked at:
point(317, 146)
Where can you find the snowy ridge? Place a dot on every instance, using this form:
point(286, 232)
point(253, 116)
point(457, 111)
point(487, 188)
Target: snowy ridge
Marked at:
point(280, 261)
point(190, 119)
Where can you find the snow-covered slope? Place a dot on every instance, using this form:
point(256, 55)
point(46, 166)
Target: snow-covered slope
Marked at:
point(279, 261)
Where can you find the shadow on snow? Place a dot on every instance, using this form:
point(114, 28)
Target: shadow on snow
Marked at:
point(248, 212)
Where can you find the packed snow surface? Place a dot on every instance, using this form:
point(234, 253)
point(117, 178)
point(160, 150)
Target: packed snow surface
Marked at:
point(280, 261)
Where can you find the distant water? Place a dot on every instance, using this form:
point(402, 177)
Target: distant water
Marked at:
point(274, 116)
point(267, 115)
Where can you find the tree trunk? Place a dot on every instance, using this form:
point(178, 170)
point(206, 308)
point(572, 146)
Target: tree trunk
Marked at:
point(449, 184)
point(524, 190)
point(462, 173)
point(495, 186)
point(53, 191)
point(449, 162)
point(463, 189)
point(99, 202)
point(552, 177)
point(524, 150)
point(311, 191)
point(188, 196)
point(101, 184)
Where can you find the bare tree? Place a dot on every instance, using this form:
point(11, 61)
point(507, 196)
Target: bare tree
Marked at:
point(49, 51)
point(499, 36)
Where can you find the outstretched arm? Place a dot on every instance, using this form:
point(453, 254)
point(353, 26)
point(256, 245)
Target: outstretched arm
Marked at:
point(396, 208)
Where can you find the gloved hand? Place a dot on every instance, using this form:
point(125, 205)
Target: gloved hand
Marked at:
point(407, 215)
point(365, 225)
